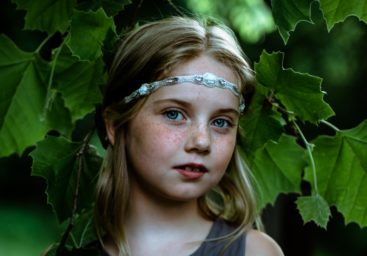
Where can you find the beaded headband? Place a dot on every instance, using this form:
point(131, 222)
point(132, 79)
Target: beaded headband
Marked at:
point(207, 79)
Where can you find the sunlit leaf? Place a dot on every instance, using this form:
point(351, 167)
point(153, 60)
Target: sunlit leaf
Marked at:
point(288, 13)
point(252, 19)
point(314, 208)
point(277, 168)
point(111, 7)
point(341, 164)
point(57, 161)
point(79, 82)
point(300, 93)
point(48, 15)
point(88, 31)
point(338, 10)
point(260, 124)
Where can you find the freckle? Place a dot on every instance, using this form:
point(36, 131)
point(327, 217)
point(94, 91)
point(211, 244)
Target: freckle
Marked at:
point(177, 138)
point(170, 135)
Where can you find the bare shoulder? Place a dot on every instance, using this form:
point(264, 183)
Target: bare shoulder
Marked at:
point(260, 244)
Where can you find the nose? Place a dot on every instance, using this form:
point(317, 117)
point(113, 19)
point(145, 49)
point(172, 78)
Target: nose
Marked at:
point(199, 139)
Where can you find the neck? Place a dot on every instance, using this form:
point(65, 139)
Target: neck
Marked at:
point(151, 210)
point(159, 223)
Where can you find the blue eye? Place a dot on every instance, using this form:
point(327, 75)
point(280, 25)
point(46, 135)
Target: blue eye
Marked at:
point(174, 115)
point(221, 123)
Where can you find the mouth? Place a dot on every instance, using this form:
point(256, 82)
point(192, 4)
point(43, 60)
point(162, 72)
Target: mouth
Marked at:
point(191, 171)
point(192, 168)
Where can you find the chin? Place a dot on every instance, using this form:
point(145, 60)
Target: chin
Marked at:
point(186, 195)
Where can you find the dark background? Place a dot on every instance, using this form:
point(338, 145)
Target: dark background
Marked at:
point(27, 224)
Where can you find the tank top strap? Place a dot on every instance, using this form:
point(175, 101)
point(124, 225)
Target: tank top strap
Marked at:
point(220, 247)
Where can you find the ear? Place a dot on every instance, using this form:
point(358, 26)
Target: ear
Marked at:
point(110, 129)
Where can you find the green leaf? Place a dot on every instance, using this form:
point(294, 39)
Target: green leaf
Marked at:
point(84, 231)
point(22, 98)
point(314, 208)
point(260, 124)
point(277, 168)
point(111, 7)
point(338, 10)
point(300, 93)
point(23, 119)
point(48, 15)
point(58, 160)
point(341, 165)
point(88, 31)
point(288, 13)
point(255, 14)
point(251, 19)
point(58, 117)
point(79, 82)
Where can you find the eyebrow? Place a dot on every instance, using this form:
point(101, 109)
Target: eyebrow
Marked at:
point(188, 105)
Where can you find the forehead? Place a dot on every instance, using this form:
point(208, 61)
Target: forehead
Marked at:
point(205, 64)
point(198, 97)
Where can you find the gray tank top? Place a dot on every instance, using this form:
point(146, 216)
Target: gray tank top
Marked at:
point(215, 248)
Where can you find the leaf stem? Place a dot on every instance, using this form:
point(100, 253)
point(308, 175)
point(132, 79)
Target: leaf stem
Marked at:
point(81, 163)
point(309, 152)
point(280, 109)
point(330, 125)
point(175, 8)
point(51, 93)
point(39, 48)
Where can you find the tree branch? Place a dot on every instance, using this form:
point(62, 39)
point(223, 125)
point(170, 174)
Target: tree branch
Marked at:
point(80, 160)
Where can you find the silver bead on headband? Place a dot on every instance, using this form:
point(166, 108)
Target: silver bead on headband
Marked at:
point(207, 79)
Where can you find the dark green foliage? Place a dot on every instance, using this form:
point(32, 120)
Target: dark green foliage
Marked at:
point(41, 96)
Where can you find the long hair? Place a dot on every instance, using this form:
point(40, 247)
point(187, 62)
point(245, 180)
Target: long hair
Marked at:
point(147, 54)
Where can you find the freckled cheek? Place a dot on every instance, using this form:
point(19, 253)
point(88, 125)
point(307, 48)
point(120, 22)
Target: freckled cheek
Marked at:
point(165, 138)
point(225, 151)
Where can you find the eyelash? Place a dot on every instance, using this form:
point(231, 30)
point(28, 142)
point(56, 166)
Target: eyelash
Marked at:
point(228, 124)
point(171, 111)
point(177, 113)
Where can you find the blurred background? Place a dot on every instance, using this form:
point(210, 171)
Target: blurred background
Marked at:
point(27, 224)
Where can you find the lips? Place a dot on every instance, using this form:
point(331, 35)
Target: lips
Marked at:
point(191, 170)
point(192, 167)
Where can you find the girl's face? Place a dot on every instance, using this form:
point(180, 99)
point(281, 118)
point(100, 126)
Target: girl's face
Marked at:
point(181, 141)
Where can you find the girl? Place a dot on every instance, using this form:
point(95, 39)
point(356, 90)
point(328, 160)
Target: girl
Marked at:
point(173, 182)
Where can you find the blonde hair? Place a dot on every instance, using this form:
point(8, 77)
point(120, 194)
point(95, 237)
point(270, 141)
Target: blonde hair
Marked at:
point(146, 54)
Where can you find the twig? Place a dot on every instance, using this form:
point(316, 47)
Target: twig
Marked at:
point(80, 159)
point(282, 110)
